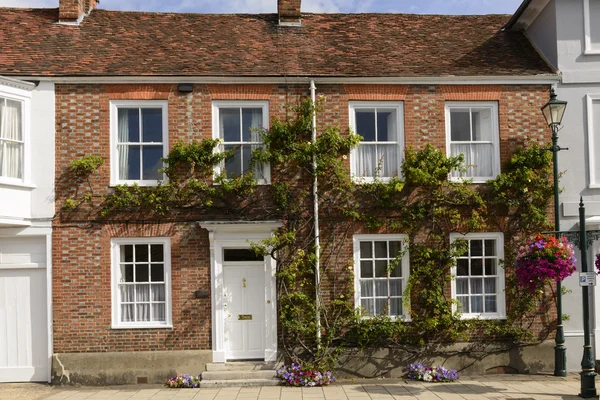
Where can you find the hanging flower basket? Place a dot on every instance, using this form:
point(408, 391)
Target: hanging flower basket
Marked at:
point(542, 260)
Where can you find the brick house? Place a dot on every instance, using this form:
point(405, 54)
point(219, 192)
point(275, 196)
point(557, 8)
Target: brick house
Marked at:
point(143, 298)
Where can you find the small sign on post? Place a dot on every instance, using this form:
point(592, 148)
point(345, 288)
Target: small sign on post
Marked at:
point(587, 279)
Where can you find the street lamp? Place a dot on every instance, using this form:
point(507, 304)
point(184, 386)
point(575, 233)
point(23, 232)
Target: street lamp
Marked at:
point(554, 111)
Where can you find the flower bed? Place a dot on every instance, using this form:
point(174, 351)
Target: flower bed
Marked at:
point(544, 259)
point(421, 372)
point(184, 381)
point(295, 375)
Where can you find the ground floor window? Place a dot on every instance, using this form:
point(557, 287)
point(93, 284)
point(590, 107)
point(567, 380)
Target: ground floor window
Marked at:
point(381, 273)
point(141, 276)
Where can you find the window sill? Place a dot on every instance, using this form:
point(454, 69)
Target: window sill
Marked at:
point(591, 53)
point(483, 316)
point(477, 180)
point(362, 180)
point(138, 183)
point(141, 326)
point(17, 184)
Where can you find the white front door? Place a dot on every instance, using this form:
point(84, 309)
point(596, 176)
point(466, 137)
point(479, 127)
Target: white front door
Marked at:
point(244, 310)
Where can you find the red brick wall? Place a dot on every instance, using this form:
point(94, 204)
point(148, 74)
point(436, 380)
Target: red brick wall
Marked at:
point(81, 251)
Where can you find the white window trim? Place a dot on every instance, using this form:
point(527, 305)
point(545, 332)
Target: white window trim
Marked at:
point(116, 309)
point(264, 104)
point(405, 268)
point(501, 314)
point(399, 107)
point(587, 30)
point(495, 138)
point(594, 180)
point(114, 134)
point(24, 97)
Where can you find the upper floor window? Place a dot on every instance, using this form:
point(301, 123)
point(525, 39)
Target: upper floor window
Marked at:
point(238, 125)
point(379, 154)
point(591, 14)
point(472, 130)
point(478, 282)
point(141, 271)
point(139, 136)
point(11, 139)
point(381, 274)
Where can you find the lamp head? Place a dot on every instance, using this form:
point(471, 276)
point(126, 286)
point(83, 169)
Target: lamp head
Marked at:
point(554, 110)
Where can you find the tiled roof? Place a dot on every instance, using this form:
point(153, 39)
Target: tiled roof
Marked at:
point(113, 43)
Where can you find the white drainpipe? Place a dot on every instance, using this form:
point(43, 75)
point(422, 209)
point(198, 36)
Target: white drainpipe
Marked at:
point(313, 89)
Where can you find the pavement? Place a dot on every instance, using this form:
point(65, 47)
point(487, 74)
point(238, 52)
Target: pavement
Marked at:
point(499, 387)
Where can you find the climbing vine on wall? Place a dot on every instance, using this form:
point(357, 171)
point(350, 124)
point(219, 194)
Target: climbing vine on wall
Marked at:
point(423, 204)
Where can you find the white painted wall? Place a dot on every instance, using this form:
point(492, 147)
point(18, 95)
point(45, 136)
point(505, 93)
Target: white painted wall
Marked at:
point(543, 38)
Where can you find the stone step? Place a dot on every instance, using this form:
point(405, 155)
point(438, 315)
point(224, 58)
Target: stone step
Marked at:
point(241, 366)
point(239, 382)
point(237, 375)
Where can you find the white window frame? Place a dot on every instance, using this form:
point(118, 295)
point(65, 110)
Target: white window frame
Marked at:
point(405, 268)
point(587, 30)
point(493, 105)
point(115, 272)
point(264, 105)
point(13, 90)
point(399, 107)
point(115, 105)
point(501, 294)
point(590, 100)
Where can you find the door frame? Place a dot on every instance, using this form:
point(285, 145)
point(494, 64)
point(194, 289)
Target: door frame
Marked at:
point(240, 234)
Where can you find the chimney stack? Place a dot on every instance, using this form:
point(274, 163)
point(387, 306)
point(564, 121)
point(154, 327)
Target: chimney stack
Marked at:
point(73, 11)
point(289, 12)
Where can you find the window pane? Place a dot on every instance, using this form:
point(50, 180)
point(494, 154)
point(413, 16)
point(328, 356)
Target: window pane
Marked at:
point(143, 312)
point(381, 250)
point(477, 304)
point(230, 124)
point(366, 249)
point(127, 273)
point(395, 248)
point(127, 253)
point(128, 125)
point(482, 159)
point(482, 124)
point(464, 150)
point(476, 286)
point(462, 267)
point(246, 157)
point(157, 254)
point(365, 124)
point(241, 255)
point(158, 313)
point(158, 292)
point(460, 125)
point(490, 248)
point(366, 269)
point(476, 267)
point(129, 162)
point(476, 247)
point(381, 269)
point(490, 266)
point(141, 252)
point(366, 162)
point(142, 273)
point(11, 120)
point(152, 125)
point(127, 293)
point(127, 313)
point(387, 160)
point(491, 305)
point(157, 272)
point(381, 288)
point(368, 306)
point(251, 122)
point(12, 165)
point(397, 271)
point(366, 288)
point(387, 125)
point(463, 304)
point(396, 306)
point(490, 285)
point(395, 287)
point(233, 163)
point(142, 293)
point(462, 286)
point(152, 162)
point(381, 306)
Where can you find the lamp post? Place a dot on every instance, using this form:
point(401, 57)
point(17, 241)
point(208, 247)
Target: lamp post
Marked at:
point(553, 112)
